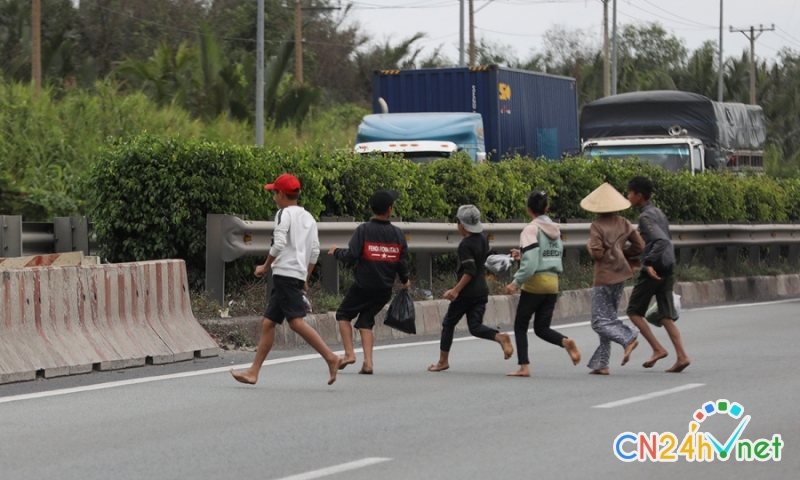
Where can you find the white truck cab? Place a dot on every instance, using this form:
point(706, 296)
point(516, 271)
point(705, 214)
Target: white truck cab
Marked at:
point(674, 153)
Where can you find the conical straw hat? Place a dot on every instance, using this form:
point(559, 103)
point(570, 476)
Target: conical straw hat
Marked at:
point(605, 199)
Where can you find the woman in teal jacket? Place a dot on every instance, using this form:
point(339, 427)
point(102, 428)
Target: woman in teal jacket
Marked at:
point(540, 264)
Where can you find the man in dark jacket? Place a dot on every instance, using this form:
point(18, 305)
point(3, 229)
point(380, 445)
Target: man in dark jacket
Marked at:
point(657, 276)
point(381, 251)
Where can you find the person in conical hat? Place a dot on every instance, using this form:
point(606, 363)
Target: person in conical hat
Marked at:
point(614, 245)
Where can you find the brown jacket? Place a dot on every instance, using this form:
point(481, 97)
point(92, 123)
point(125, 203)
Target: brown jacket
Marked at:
point(613, 262)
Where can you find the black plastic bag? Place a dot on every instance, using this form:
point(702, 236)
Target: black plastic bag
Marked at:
point(401, 315)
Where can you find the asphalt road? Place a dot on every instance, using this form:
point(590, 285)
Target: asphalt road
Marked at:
point(470, 422)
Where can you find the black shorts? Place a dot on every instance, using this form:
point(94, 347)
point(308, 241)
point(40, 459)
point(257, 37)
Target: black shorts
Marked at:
point(286, 300)
point(363, 303)
point(643, 291)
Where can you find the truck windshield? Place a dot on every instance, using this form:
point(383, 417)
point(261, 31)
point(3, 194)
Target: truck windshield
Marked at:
point(672, 157)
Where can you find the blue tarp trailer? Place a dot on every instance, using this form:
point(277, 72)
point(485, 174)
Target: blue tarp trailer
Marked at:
point(526, 113)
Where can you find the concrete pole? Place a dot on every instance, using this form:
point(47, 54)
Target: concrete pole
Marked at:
point(721, 79)
point(298, 42)
point(36, 47)
point(461, 35)
point(260, 75)
point(606, 59)
point(752, 66)
point(471, 33)
point(614, 51)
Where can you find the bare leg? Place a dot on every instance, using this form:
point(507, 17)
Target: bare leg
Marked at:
point(347, 342)
point(659, 352)
point(505, 341)
point(683, 360)
point(250, 376)
point(313, 339)
point(572, 350)
point(367, 341)
point(443, 362)
point(524, 371)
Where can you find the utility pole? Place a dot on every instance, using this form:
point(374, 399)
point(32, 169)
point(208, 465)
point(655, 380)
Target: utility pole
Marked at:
point(614, 52)
point(298, 43)
point(606, 66)
point(471, 33)
point(721, 79)
point(754, 33)
point(461, 34)
point(36, 47)
point(260, 75)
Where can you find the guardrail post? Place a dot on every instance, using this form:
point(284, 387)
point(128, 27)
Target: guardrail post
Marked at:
point(10, 236)
point(330, 273)
point(72, 234)
point(215, 267)
point(573, 255)
point(424, 269)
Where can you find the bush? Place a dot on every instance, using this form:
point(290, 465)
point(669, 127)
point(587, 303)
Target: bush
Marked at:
point(153, 194)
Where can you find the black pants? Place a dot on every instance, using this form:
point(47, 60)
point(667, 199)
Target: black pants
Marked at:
point(541, 305)
point(473, 308)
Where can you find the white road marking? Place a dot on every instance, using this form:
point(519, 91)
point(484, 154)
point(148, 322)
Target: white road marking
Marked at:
point(345, 467)
point(648, 396)
point(278, 361)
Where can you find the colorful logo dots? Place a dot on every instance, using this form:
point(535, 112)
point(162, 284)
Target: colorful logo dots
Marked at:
point(733, 409)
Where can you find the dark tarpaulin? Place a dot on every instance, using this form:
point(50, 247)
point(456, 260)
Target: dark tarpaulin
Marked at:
point(723, 126)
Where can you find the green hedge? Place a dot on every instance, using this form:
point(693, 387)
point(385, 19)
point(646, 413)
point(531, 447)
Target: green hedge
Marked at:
point(152, 194)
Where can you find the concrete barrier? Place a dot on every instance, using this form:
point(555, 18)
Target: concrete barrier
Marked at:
point(501, 309)
point(60, 320)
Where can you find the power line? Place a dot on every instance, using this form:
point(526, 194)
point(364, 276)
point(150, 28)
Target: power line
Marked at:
point(511, 34)
point(678, 16)
point(695, 25)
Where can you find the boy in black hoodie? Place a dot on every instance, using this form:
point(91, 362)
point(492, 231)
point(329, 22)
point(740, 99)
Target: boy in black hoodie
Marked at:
point(381, 252)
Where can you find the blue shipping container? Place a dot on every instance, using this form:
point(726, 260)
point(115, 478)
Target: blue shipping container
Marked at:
point(528, 113)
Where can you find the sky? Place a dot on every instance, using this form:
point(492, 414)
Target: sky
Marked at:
point(520, 24)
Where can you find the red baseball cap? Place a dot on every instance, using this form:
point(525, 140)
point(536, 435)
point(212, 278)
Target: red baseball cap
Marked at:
point(286, 183)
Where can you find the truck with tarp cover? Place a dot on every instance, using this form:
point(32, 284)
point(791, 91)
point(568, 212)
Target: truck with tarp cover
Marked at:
point(676, 130)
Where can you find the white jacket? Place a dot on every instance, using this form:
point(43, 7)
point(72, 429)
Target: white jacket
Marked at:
point(295, 243)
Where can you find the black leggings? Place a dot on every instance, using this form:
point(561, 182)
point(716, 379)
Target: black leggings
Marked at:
point(474, 308)
point(542, 305)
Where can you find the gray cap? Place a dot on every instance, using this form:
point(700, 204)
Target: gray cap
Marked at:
point(470, 217)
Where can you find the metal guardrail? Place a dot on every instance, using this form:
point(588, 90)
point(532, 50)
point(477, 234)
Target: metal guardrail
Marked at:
point(64, 234)
point(229, 238)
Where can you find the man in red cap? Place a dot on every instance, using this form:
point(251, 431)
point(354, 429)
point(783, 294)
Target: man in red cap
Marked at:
point(293, 256)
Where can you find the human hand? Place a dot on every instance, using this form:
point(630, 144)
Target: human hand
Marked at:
point(407, 284)
point(652, 272)
point(305, 287)
point(515, 253)
point(261, 270)
point(511, 289)
point(332, 250)
point(451, 294)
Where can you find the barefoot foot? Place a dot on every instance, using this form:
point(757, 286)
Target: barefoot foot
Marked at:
point(347, 361)
point(573, 351)
point(656, 357)
point(679, 366)
point(244, 377)
point(628, 350)
point(365, 369)
point(334, 367)
point(505, 342)
point(599, 371)
point(439, 367)
point(524, 371)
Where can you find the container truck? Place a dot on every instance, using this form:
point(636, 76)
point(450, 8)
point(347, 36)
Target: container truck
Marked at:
point(526, 113)
point(675, 130)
